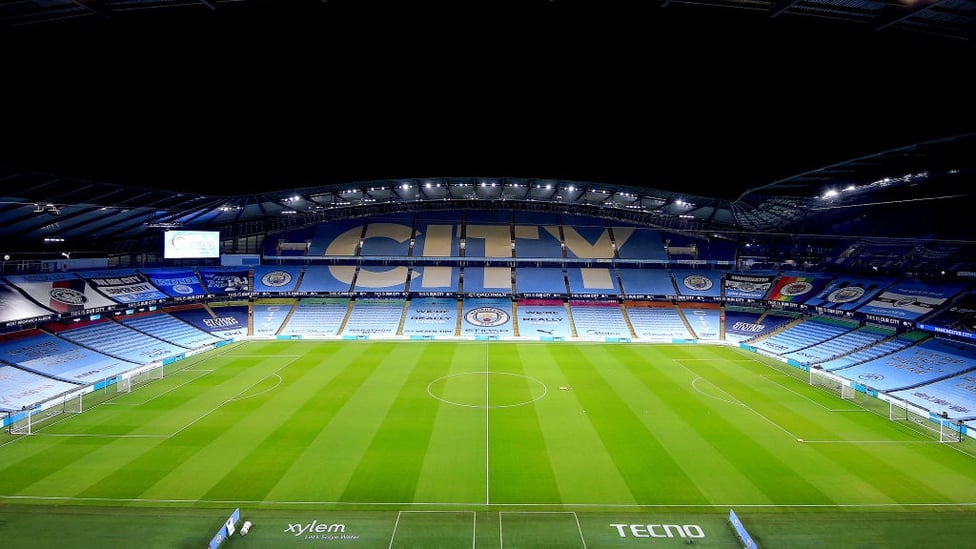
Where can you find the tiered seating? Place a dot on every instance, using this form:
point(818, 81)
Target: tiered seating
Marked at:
point(806, 333)
point(374, 317)
point(111, 338)
point(954, 396)
point(931, 360)
point(842, 344)
point(596, 281)
point(226, 322)
point(885, 346)
point(315, 317)
point(431, 317)
point(648, 282)
point(541, 281)
point(269, 314)
point(59, 358)
point(276, 279)
point(543, 318)
point(742, 323)
point(657, 321)
point(598, 319)
point(487, 317)
point(20, 389)
point(705, 320)
point(171, 329)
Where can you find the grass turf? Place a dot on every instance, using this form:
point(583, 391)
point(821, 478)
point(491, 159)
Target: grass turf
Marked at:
point(476, 444)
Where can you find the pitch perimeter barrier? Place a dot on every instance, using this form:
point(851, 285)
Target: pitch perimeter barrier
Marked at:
point(741, 532)
point(227, 529)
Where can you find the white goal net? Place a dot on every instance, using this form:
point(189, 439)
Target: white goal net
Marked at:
point(945, 429)
point(135, 378)
point(28, 421)
point(832, 383)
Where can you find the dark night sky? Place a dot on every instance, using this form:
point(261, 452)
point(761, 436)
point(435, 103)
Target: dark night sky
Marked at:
point(704, 100)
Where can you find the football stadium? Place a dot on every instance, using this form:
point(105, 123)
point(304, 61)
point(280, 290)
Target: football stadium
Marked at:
point(363, 356)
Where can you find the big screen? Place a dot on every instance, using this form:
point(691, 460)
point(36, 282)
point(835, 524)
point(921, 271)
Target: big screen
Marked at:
point(191, 244)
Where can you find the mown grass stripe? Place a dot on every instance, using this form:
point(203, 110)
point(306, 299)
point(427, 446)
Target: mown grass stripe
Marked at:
point(520, 466)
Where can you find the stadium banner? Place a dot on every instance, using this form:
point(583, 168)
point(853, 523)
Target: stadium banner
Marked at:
point(487, 317)
point(544, 318)
point(15, 308)
point(227, 529)
point(225, 322)
point(61, 292)
point(910, 299)
point(847, 293)
point(796, 289)
point(124, 286)
point(741, 286)
point(431, 316)
point(179, 284)
point(959, 319)
point(232, 281)
point(276, 278)
point(697, 282)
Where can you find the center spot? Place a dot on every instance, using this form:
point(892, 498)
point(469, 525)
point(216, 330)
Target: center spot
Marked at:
point(487, 389)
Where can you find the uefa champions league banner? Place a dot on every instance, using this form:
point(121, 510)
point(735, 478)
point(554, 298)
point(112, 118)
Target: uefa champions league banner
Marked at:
point(910, 299)
point(61, 292)
point(741, 286)
point(177, 283)
point(123, 286)
point(14, 306)
point(487, 317)
point(796, 289)
point(847, 294)
point(226, 281)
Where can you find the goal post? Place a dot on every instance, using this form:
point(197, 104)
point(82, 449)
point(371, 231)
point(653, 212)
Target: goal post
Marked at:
point(949, 431)
point(942, 428)
point(139, 376)
point(27, 421)
point(832, 383)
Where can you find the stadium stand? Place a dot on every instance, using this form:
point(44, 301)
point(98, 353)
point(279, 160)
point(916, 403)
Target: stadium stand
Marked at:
point(58, 358)
point(166, 327)
point(269, 315)
point(602, 320)
point(657, 321)
point(374, 317)
point(430, 317)
point(114, 339)
point(931, 360)
point(313, 316)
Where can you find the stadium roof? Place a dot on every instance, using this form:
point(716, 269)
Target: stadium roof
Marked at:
point(920, 191)
point(126, 117)
point(947, 19)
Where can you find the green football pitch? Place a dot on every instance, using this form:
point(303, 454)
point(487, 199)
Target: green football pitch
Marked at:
point(396, 444)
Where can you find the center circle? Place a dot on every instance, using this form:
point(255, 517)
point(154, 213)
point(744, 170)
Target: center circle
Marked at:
point(487, 389)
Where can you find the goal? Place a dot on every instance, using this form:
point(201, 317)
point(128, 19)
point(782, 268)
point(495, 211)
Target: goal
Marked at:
point(832, 383)
point(28, 421)
point(944, 429)
point(135, 378)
